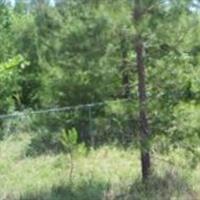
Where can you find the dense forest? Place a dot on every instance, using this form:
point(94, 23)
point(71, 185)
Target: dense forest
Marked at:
point(99, 99)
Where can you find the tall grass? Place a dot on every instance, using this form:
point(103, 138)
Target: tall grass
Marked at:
point(103, 174)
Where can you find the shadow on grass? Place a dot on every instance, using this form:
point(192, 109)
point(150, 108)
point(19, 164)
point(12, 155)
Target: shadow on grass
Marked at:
point(87, 191)
point(169, 186)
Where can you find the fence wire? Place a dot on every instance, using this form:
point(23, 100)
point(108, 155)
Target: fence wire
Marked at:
point(107, 122)
point(95, 123)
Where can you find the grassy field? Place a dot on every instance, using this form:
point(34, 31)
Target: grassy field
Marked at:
point(106, 173)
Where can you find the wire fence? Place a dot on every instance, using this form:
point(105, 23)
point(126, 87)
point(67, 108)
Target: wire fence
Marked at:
point(60, 109)
point(95, 123)
point(106, 122)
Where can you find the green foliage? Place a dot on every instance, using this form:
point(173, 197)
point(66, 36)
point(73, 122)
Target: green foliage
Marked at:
point(70, 144)
point(118, 124)
point(10, 76)
point(15, 61)
point(80, 52)
point(69, 140)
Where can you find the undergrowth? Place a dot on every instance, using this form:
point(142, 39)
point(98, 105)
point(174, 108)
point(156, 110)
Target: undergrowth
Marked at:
point(106, 173)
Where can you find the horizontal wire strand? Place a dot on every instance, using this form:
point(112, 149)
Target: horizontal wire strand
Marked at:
point(60, 109)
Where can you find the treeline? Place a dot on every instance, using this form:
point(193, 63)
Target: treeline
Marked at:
point(75, 52)
point(78, 52)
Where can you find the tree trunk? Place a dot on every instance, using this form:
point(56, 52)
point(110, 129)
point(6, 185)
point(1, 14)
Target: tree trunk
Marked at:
point(143, 120)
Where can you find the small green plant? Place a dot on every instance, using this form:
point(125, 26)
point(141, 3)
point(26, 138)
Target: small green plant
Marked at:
point(69, 141)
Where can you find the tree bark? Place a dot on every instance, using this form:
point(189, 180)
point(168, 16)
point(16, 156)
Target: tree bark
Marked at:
point(143, 120)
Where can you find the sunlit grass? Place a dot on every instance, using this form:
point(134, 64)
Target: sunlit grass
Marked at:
point(106, 173)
